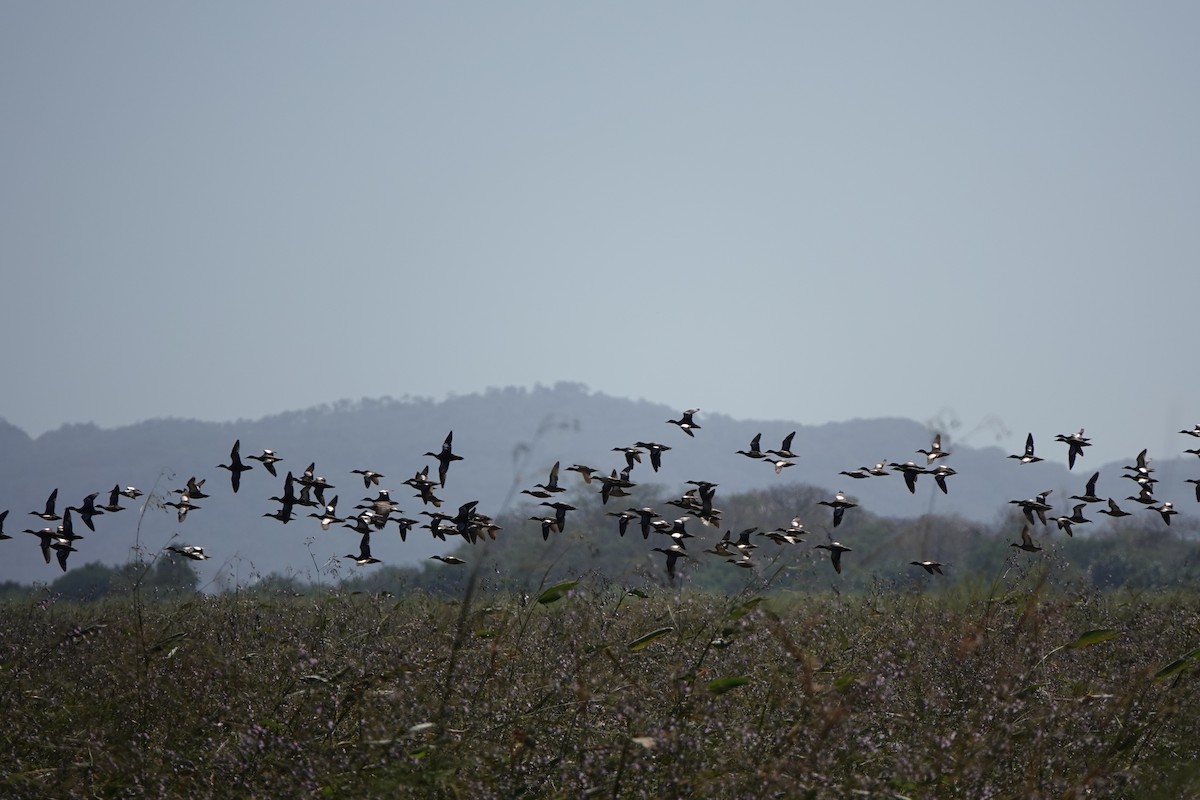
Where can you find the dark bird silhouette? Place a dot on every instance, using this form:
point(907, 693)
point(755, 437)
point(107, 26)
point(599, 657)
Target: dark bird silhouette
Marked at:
point(754, 451)
point(940, 473)
point(114, 504)
point(3, 535)
point(235, 466)
point(633, 455)
point(369, 476)
point(62, 548)
point(1027, 457)
point(551, 485)
point(560, 513)
point(612, 486)
point(673, 553)
point(1166, 510)
point(66, 531)
point(87, 510)
point(1026, 542)
point(132, 492)
point(1076, 518)
point(287, 499)
point(646, 515)
point(655, 450)
point(363, 523)
point(910, 471)
point(585, 472)
point(194, 489)
point(1037, 505)
point(623, 519)
point(549, 526)
point(445, 458)
point(453, 561)
point(268, 459)
point(835, 553)
point(1075, 443)
point(935, 450)
point(1114, 510)
point(839, 504)
point(929, 566)
point(48, 513)
point(47, 537)
point(785, 449)
point(685, 422)
point(364, 556)
point(329, 515)
point(1089, 492)
point(182, 506)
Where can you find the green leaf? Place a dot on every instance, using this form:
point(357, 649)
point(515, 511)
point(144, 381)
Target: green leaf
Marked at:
point(1176, 666)
point(1089, 638)
point(642, 642)
point(556, 592)
point(723, 685)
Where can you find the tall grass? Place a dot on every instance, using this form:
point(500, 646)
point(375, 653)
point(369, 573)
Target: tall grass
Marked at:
point(979, 691)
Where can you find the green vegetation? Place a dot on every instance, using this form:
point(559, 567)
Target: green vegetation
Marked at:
point(1021, 688)
point(573, 668)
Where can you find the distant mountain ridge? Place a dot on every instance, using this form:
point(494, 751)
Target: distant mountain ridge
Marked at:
point(509, 438)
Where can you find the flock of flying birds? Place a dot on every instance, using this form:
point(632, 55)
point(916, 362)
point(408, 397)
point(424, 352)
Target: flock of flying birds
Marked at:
point(373, 514)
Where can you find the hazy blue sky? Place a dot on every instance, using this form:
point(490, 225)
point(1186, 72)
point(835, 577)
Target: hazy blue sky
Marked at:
point(802, 211)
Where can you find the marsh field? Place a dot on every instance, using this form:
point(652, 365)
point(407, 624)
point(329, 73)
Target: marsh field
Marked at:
point(1011, 688)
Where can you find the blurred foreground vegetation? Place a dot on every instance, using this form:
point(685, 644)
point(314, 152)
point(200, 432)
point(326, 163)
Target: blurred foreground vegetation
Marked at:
point(1022, 687)
point(573, 668)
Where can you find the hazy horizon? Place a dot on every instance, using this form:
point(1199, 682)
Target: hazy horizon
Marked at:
point(792, 211)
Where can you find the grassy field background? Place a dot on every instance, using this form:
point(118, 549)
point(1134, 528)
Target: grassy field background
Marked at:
point(1011, 688)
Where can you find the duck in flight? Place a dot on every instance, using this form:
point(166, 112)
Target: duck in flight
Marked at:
point(268, 460)
point(839, 504)
point(445, 457)
point(685, 422)
point(935, 450)
point(1027, 457)
point(235, 466)
point(1089, 492)
point(835, 553)
point(1075, 443)
point(48, 513)
point(1026, 542)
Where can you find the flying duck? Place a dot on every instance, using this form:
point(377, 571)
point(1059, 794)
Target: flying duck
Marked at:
point(935, 450)
point(235, 466)
point(839, 504)
point(445, 457)
point(1089, 492)
point(754, 451)
point(48, 513)
point(835, 553)
point(369, 476)
point(268, 459)
point(785, 449)
point(1026, 542)
point(1027, 457)
point(685, 421)
point(1075, 443)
